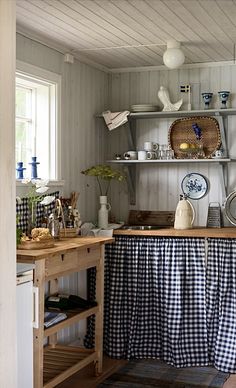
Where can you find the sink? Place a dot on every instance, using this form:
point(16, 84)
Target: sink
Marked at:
point(144, 227)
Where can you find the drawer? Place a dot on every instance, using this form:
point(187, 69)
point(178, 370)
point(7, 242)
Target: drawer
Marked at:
point(72, 261)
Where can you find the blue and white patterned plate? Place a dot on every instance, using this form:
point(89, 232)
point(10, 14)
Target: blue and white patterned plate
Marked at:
point(194, 185)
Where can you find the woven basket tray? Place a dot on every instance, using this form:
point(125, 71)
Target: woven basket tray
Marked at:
point(181, 131)
point(69, 232)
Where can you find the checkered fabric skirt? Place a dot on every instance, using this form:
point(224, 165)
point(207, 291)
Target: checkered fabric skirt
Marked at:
point(221, 303)
point(22, 210)
point(162, 302)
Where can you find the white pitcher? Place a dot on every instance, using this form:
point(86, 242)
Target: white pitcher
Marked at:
point(184, 214)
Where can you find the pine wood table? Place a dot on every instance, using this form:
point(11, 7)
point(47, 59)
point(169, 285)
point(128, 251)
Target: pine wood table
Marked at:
point(54, 363)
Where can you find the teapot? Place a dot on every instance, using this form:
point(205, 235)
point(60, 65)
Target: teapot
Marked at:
point(184, 214)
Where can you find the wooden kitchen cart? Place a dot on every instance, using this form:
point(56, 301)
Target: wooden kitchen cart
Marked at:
point(54, 363)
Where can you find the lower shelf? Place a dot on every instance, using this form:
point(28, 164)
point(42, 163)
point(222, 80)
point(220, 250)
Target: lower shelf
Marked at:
point(60, 362)
point(72, 317)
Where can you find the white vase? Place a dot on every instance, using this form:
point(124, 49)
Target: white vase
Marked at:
point(105, 207)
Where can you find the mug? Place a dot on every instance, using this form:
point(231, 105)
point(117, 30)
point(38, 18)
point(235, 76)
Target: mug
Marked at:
point(132, 155)
point(150, 146)
point(151, 155)
point(142, 155)
point(217, 154)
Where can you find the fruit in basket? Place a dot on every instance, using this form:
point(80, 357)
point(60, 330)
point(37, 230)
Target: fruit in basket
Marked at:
point(192, 145)
point(184, 146)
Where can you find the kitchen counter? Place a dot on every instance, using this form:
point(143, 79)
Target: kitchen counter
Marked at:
point(227, 232)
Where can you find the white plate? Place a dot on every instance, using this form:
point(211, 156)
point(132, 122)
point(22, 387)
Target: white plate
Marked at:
point(195, 186)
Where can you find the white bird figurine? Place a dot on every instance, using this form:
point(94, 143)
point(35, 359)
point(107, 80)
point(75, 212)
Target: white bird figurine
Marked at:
point(163, 95)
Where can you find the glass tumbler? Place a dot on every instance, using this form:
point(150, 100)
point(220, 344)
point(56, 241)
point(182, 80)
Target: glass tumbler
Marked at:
point(163, 151)
point(170, 153)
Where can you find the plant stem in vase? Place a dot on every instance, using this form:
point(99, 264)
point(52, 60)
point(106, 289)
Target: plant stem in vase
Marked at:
point(32, 209)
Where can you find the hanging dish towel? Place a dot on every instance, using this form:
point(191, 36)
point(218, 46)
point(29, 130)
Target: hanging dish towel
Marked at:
point(115, 119)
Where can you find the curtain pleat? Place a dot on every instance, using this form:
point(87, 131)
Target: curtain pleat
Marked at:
point(221, 303)
point(155, 300)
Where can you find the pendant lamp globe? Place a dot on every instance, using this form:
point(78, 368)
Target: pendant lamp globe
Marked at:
point(173, 57)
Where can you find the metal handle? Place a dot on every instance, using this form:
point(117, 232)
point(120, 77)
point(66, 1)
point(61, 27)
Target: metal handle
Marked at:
point(35, 307)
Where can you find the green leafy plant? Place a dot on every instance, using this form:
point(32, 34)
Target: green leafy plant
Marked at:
point(18, 231)
point(104, 175)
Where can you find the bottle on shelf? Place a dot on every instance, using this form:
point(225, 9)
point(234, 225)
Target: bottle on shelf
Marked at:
point(70, 218)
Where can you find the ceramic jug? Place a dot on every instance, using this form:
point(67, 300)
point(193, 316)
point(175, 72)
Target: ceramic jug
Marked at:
point(103, 212)
point(184, 214)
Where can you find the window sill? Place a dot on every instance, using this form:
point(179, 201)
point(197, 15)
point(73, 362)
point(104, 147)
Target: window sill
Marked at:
point(51, 183)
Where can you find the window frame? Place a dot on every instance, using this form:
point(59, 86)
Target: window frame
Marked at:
point(27, 70)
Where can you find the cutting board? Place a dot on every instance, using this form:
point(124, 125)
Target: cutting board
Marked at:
point(149, 217)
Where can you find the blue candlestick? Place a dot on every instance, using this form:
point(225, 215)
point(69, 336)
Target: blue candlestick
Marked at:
point(34, 174)
point(20, 170)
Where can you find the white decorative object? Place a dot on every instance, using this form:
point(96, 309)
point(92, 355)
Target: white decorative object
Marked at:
point(164, 97)
point(103, 212)
point(173, 57)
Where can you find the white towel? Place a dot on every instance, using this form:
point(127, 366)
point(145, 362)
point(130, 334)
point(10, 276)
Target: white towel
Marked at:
point(115, 119)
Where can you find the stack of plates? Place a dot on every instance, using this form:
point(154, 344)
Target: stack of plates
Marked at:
point(144, 108)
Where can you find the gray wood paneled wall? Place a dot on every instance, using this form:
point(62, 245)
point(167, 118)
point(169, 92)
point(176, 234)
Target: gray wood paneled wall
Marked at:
point(86, 141)
point(84, 92)
point(159, 186)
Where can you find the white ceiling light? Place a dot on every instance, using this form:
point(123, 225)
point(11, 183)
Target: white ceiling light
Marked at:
point(173, 57)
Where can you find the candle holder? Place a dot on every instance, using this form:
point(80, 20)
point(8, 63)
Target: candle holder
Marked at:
point(223, 95)
point(20, 170)
point(34, 174)
point(207, 99)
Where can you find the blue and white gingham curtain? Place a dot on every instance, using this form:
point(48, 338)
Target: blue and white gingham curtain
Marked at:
point(155, 300)
point(162, 302)
point(221, 303)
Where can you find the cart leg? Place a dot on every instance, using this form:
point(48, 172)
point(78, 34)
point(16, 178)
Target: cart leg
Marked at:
point(39, 272)
point(99, 314)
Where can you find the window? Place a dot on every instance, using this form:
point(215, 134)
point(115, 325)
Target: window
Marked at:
point(37, 121)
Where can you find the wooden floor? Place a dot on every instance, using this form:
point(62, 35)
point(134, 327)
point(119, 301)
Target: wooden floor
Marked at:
point(86, 379)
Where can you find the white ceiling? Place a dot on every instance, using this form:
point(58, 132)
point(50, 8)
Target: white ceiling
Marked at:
point(131, 33)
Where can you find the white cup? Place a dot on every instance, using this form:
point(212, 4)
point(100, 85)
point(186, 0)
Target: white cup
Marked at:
point(151, 155)
point(142, 155)
point(217, 154)
point(132, 155)
point(150, 146)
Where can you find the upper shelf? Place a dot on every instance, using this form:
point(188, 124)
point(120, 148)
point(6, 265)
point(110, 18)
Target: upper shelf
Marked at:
point(183, 113)
point(219, 160)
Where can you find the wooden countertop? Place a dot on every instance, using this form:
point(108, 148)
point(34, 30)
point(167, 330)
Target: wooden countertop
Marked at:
point(227, 232)
point(61, 246)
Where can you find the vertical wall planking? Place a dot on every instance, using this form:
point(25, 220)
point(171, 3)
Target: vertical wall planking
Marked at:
point(159, 186)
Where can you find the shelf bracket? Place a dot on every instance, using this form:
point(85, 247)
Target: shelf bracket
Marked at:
point(130, 172)
point(131, 133)
point(224, 179)
point(222, 124)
